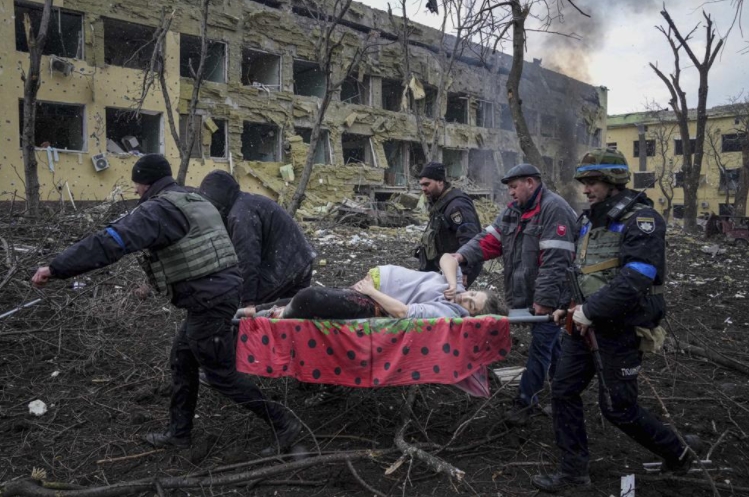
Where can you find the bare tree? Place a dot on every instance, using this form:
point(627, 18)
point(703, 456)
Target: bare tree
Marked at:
point(691, 159)
point(714, 154)
point(662, 134)
point(329, 48)
point(31, 83)
point(157, 71)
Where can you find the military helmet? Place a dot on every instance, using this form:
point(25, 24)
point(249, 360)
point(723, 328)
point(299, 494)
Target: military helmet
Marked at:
point(606, 164)
point(521, 171)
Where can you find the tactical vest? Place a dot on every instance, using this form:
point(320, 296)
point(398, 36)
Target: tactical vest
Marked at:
point(434, 245)
point(598, 252)
point(205, 249)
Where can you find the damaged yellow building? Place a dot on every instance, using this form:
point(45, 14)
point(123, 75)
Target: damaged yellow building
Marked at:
point(258, 103)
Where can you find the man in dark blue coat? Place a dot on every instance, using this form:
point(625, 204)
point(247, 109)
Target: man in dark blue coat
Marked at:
point(189, 256)
point(275, 258)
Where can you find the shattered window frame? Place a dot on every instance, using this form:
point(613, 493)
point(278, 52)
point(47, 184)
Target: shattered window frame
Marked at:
point(482, 167)
point(58, 125)
point(248, 57)
point(319, 84)
point(729, 177)
point(197, 146)
point(323, 141)
point(59, 23)
point(367, 155)
point(679, 146)
point(392, 100)
point(678, 179)
point(416, 158)
point(398, 172)
point(363, 90)
point(248, 145)
point(116, 44)
point(197, 151)
point(457, 114)
point(220, 69)
point(138, 129)
point(484, 113)
point(731, 142)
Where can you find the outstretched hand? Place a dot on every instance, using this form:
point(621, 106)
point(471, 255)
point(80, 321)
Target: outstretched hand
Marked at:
point(365, 285)
point(41, 277)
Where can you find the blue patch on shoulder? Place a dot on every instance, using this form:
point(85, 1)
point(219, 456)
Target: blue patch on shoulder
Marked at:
point(616, 227)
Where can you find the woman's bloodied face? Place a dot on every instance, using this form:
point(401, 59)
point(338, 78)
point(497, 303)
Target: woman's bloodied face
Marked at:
point(472, 301)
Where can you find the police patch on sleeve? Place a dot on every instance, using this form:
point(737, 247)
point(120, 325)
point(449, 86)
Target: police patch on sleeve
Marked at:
point(646, 224)
point(457, 217)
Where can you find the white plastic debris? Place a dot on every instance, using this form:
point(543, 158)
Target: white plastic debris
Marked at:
point(55, 374)
point(37, 407)
point(628, 486)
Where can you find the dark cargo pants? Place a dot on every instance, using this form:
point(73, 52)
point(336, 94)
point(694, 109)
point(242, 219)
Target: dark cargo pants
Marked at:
point(206, 340)
point(621, 364)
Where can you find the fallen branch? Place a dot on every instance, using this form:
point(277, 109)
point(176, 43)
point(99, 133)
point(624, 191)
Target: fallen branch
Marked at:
point(715, 357)
point(361, 481)
point(130, 457)
point(434, 462)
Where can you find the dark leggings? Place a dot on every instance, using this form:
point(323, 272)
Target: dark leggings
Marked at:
point(328, 303)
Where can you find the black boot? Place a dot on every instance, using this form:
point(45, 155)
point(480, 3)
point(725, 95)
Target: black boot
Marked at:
point(558, 481)
point(682, 465)
point(284, 434)
point(167, 440)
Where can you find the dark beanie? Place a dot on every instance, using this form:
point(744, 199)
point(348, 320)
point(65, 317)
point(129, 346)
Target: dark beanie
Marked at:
point(151, 168)
point(433, 170)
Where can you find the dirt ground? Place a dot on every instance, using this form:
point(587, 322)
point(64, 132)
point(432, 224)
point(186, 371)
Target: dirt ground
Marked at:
point(98, 358)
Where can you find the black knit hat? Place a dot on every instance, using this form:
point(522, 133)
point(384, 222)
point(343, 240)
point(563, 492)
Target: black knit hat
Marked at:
point(151, 168)
point(433, 170)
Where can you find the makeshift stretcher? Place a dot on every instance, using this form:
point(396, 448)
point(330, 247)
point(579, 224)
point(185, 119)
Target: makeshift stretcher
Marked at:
point(378, 352)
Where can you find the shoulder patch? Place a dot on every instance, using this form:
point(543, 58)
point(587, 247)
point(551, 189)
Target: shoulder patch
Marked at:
point(646, 224)
point(457, 217)
point(561, 229)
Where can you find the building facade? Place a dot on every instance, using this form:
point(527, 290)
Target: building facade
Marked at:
point(258, 103)
point(658, 168)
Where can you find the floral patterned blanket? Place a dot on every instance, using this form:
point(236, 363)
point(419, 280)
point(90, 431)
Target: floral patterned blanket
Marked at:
point(375, 352)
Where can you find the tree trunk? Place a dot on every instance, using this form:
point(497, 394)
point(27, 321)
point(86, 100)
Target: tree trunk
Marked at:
point(31, 85)
point(298, 197)
point(513, 95)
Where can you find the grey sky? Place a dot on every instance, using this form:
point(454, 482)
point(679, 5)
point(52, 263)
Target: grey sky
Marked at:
point(620, 40)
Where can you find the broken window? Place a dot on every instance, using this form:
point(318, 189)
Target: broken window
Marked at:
point(505, 118)
point(611, 145)
point(732, 142)
point(322, 150)
point(64, 35)
point(127, 44)
point(485, 114)
point(392, 94)
point(355, 148)
point(214, 68)
point(128, 131)
point(482, 168)
point(453, 161)
point(679, 146)
point(548, 126)
point(729, 178)
point(457, 108)
point(309, 79)
point(395, 174)
point(217, 129)
point(260, 142)
point(416, 158)
point(354, 91)
point(649, 148)
point(261, 68)
point(57, 125)
point(645, 179)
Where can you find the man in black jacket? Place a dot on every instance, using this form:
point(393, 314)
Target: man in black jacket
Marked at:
point(453, 221)
point(275, 259)
point(189, 256)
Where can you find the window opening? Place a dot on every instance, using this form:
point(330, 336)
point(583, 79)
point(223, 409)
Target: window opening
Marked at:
point(57, 125)
point(457, 108)
point(130, 132)
point(354, 148)
point(485, 114)
point(127, 44)
point(65, 32)
point(309, 80)
point(392, 93)
point(261, 68)
point(260, 142)
point(322, 150)
point(214, 68)
point(395, 174)
point(453, 161)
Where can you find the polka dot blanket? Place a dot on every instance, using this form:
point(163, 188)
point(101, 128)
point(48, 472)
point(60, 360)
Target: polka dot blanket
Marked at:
point(375, 352)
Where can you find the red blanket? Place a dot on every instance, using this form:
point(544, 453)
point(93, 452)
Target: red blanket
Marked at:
point(375, 352)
